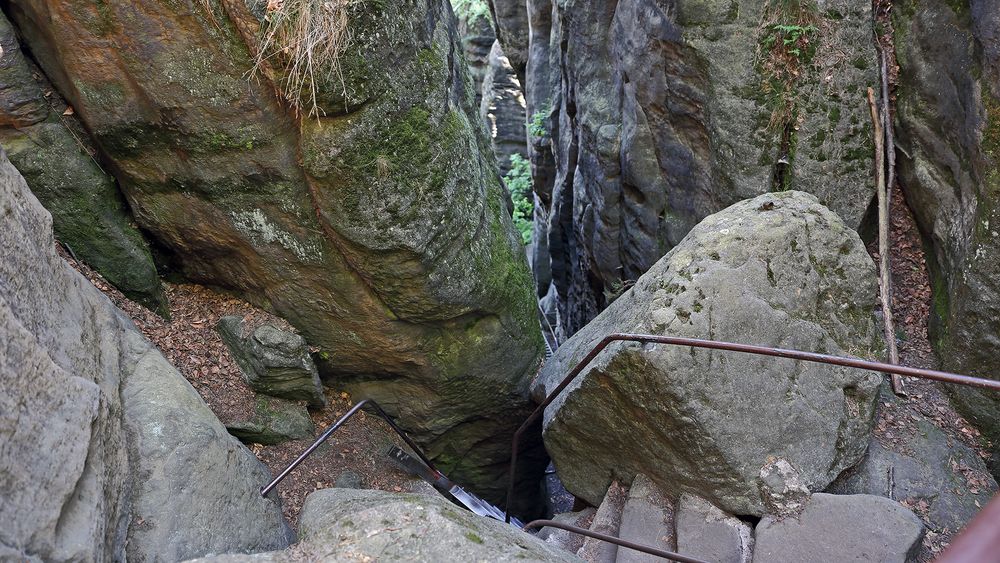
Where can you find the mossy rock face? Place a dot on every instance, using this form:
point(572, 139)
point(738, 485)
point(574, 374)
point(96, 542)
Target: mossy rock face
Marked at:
point(669, 115)
point(949, 123)
point(53, 153)
point(379, 230)
point(274, 421)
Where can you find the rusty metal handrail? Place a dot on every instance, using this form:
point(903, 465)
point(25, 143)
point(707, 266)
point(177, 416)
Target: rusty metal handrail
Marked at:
point(979, 542)
point(340, 422)
point(617, 541)
point(934, 375)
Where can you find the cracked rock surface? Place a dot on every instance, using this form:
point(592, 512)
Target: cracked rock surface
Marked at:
point(780, 267)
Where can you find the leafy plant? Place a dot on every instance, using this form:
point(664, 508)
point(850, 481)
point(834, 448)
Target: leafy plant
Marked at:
point(538, 125)
point(793, 39)
point(518, 181)
point(788, 41)
point(471, 10)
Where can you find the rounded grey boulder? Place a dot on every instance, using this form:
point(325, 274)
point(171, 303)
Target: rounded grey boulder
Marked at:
point(778, 270)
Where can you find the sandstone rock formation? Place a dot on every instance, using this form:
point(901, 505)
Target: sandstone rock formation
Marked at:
point(106, 452)
point(273, 361)
point(780, 267)
point(949, 133)
point(53, 153)
point(367, 525)
point(476, 30)
point(378, 229)
point(502, 109)
point(510, 18)
point(661, 113)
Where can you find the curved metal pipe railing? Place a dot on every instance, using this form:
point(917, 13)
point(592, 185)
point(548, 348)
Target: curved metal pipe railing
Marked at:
point(340, 422)
point(934, 375)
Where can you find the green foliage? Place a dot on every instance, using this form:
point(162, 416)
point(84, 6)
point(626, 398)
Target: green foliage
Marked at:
point(794, 40)
point(471, 10)
point(518, 182)
point(787, 44)
point(538, 126)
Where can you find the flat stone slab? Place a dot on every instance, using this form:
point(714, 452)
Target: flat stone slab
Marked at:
point(706, 532)
point(838, 528)
point(647, 519)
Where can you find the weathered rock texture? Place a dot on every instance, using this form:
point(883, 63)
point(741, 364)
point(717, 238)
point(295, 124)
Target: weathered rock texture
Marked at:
point(106, 452)
point(948, 113)
point(647, 519)
point(661, 115)
point(273, 421)
point(841, 528)
point(54, 154)
point(925, 468)
point(778, 270)
point(707, 533)
point(273, 361)
point(478, 36)
point(378, 230)
point(368, 525)
point(502, 109)
point(510, 18)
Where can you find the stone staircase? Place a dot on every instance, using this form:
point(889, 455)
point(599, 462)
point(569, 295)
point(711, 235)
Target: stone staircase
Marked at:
point(643, 514)
point(822, 527)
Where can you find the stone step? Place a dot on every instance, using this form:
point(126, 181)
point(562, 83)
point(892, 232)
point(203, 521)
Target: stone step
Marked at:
point(568, 540)
point(648, 519)
point(706, 532)
point(606, 521)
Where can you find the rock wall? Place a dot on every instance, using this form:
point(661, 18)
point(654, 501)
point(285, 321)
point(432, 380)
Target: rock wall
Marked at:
point(478, 37)
point(510, 19)
point(948, 115)
point(502, 109)
point(53, 152)
point(661, 112)
point(106, 451)
point(378, 229)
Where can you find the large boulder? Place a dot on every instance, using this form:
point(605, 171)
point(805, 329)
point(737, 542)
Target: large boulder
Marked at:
point(106, 451)
point(778, 270)
point(369, 525)
point(52, 151)
point(948, 115)
point(378, 228)
point(670, 111)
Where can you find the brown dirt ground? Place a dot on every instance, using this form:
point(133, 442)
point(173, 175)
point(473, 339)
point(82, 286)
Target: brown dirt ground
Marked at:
point(190, 342)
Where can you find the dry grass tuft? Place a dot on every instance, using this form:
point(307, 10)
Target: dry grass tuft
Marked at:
point(788, 41)
point(306, 38)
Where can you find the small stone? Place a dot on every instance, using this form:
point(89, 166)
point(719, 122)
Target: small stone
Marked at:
point(349, 480)
point(274, 421)
point(273, 361)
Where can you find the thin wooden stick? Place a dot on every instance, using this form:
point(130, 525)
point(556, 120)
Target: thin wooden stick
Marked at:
point(883, 240)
